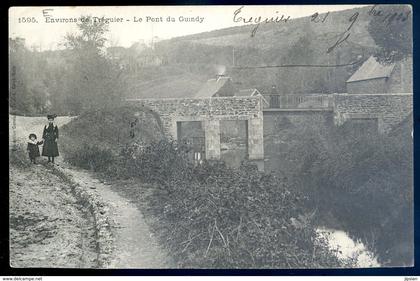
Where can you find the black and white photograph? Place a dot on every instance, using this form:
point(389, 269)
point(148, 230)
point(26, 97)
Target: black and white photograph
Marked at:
point(211, 137)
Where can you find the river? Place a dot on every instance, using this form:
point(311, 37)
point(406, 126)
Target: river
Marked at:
point(338, 239)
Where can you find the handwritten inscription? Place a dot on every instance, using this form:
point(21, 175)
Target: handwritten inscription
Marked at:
point(345, 34)
point(317, 18)
point(237, 17)
point(378, 14)
point(390, 17)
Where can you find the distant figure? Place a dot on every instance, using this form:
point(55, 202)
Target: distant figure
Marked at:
point(33, 149)
point(50, 136)
point(274, 90)
point(274, 97)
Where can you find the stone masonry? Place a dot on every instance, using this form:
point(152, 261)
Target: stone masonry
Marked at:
point(211, 111)
point(389, 109)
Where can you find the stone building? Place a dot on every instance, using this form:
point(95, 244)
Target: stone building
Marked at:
point(376, 78)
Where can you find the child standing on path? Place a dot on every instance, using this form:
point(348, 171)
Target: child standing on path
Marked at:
point(32, 148)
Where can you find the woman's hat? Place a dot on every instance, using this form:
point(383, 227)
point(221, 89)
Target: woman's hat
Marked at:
point(32, 135)
point(51, 116)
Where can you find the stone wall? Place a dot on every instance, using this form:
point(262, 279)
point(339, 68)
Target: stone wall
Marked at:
point(389, 109)
point(291, 136)
point(273, 134)
point(210, 111)
point(193, 109)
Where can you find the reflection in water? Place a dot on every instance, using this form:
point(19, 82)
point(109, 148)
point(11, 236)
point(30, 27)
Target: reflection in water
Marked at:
point(348, 248)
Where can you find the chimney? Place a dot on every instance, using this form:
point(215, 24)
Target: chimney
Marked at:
point(274, 90)
point(218, 76)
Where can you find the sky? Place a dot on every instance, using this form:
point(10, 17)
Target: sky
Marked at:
point(154, 21)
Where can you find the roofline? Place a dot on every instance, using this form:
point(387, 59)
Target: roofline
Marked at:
point(191, 98)
point(367, 79)
point(262, 97)
point(248, 89)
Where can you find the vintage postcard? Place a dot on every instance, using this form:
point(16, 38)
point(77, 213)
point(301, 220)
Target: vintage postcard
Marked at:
point(216, 137)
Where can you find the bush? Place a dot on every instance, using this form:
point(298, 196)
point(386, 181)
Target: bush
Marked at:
point(95, 139)
point(159, 162)
point(218, 217)
point(210, 215)
point(91, 157)
point(365, 181)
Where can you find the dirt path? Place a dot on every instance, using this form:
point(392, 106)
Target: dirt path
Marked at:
point(48, 227)
point(134, 245)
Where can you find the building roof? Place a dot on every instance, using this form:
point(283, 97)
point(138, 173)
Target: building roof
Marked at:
point(250, 93)
point(211, 87)
point(371, 69)
point(247, 93)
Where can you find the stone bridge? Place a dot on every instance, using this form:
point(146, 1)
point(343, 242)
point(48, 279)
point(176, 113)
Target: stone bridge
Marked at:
point(210, 112)
point(260, 119)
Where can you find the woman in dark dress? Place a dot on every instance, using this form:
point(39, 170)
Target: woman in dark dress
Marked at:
point(50, 136)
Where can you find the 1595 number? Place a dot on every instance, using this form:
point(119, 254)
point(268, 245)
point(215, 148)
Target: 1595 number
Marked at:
point(27, 20)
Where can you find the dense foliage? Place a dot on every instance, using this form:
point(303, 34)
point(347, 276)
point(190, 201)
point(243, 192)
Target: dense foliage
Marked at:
point(28, 92)
point(391, 27)
point(67, 81)
point(210, 215)
point(352, 178)
point(219, 217)
point(362, 182)
point(96, 137)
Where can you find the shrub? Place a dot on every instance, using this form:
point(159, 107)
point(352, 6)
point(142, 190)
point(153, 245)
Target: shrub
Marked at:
point(365, 181)
point(210, 215)
point(159, 162)
point(116, 127)
point(218, 217)
point(91, 157)
point(95, 139)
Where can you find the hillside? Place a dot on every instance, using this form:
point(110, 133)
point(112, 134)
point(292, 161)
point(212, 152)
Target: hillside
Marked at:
point(163, 82)
point(178, 67)
point(283, 34)
point(299, 41)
